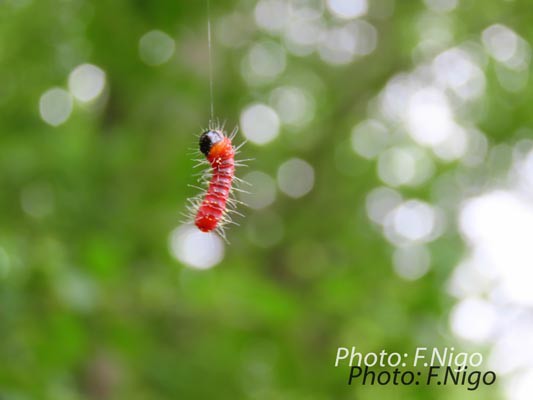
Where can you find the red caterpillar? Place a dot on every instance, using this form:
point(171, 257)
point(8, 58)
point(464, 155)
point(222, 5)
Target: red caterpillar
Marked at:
point(210, 212)
point(220, 153)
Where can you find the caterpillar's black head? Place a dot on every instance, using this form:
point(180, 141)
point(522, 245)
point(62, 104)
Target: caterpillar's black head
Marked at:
point(208, 139)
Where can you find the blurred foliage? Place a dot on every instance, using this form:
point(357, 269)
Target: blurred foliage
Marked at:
point(93, 305)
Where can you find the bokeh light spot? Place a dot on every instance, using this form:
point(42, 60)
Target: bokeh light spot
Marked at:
point(381, 201)
point(430, 119)
point(294, 106)
point(455, 69)
point(194, 248)
point(37, 200)
point(348, 8)
point(156, 47)
point(369, 138)
point(302, 36)
point(406, 165)
point(264, 62)
point(499, 225)
point(271, 15)
point(261, 192)
point(473, 319)
point(86, 82)
point(260, 123)
point(413, 221)
point(500, 41)
point(441, 6)
point(296, 177)
point(55, 106)
point(411, 262)
point(338, 45)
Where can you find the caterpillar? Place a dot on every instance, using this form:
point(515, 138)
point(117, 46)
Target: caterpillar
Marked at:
point(211, 210)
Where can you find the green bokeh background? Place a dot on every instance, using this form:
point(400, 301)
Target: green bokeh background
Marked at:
point(92, 303)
